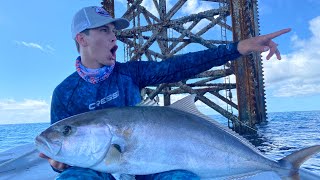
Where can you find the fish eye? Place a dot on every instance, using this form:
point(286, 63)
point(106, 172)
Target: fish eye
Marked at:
point(66, 130)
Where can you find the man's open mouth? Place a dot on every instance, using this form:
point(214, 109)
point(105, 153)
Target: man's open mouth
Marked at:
point(113, 50)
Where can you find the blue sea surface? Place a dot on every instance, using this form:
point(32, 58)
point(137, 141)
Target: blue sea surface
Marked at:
point(12, 135)
point(283, 134)
point(286, 133)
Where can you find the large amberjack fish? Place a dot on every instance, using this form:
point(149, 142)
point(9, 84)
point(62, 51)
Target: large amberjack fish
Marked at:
point(151, 139)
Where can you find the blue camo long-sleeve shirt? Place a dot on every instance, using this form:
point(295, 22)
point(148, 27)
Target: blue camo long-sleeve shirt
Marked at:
point(122, 88)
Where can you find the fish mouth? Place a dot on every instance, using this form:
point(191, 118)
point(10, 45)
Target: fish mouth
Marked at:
point(48, 148)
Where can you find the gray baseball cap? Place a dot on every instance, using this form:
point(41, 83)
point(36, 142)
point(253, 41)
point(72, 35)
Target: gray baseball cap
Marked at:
point(93, 17)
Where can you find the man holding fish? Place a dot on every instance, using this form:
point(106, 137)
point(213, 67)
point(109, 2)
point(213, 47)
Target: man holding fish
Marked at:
point(101, 82)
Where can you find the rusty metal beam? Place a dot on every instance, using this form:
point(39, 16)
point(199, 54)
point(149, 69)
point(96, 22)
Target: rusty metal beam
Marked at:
point(155, 28)
point(108, 5)
point(248, 70)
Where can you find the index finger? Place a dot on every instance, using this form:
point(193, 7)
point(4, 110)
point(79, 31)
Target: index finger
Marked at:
point(277, 33)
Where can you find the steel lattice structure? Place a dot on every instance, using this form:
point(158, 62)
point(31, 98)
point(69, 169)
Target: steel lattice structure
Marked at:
point(156, 36)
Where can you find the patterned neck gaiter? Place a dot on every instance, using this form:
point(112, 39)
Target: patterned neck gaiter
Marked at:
point(93, 76)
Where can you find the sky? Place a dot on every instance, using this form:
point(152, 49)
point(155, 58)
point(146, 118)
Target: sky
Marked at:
point(37, 53)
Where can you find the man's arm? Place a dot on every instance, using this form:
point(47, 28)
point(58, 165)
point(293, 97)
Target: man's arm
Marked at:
point(58, 110)
point(187, 65)
point(179, 67)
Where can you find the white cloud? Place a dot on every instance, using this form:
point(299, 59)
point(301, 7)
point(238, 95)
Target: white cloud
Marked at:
point(315, 27)
point(297, 73)
point(190, 7)
point(51, 49)
point(47, 48)
point(26, 111)
point(149, 5)
point(194, 6)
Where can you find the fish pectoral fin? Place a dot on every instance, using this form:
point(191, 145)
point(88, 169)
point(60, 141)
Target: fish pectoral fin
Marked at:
point(124, 176)
point(127, 177)
point(113, 155)
point(299, 157)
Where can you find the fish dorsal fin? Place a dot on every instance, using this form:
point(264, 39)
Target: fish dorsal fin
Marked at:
point(118, 176)
point(187, 104)
point(299, 157)
point(148, 102)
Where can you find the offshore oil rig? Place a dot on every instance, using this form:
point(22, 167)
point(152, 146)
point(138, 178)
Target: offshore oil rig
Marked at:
point(160, 32)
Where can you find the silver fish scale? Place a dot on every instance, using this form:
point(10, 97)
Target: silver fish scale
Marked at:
point(164, 139)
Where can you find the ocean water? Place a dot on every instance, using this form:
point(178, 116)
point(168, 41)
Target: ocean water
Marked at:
point(284, 133)
point(12, 135)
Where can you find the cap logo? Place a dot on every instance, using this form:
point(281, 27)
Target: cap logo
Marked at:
point(102, 12)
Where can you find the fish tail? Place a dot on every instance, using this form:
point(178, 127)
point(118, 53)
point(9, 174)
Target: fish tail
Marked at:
point(296, 159)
